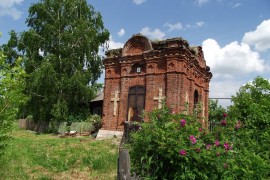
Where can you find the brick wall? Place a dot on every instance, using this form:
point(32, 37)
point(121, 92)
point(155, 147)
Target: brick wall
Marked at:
point(170, 67)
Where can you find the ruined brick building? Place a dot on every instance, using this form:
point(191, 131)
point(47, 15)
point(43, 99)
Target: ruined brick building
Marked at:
point(139, 76)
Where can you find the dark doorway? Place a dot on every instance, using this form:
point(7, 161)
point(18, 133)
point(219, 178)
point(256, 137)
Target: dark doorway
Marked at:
point(136, 102)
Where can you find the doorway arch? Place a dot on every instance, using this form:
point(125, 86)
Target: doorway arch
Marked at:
point(136, 103)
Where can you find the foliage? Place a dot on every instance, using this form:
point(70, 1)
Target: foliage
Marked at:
point(61, 51)
point(174, 146)
point(10, 49)
point(215, 111)
point(32, 156)
point(96, 122)
point(11, 97)
point(251, 105)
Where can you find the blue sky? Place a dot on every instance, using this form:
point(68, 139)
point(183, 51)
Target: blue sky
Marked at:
point(234, 34)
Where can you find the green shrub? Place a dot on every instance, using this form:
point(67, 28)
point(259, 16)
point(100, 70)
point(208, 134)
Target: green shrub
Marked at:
point(251, 105)
point(29, 118)
point(174, 146)
point(96, 122)
point(215, 111)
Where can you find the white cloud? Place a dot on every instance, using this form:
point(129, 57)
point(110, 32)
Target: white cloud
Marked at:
point(200, 23)
point(152, 34)
point(172, 27)
point(121, 32)
point(236, 5)
point(180, 26)
point(224, 89)
point(111, 45)
point(9, 3)
point(7, 8)
point(138, 2)
point(201, 2)
point(232, 60)
point(260, 38)
point(114, 45)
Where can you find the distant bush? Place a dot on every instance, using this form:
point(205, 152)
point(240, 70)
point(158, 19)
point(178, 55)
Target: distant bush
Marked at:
point(29, 118)
point(96, 122)
point(215, 111)
point(81, 124)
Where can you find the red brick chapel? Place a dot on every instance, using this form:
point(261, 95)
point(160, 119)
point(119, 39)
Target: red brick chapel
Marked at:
point(139, 76)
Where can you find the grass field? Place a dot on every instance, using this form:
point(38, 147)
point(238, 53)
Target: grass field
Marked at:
point(44, 157)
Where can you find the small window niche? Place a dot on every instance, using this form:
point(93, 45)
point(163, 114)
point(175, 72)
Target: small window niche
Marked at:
point(139, 69)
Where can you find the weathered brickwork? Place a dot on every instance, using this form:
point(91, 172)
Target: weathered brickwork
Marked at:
point(143, 73)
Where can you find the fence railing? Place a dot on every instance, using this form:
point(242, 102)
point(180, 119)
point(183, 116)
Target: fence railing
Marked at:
point(213, 125)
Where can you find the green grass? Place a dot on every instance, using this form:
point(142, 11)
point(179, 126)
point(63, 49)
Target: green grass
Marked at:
point(44, 157)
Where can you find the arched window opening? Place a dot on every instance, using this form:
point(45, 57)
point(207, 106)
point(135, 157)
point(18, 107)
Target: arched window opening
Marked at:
point(196, 98)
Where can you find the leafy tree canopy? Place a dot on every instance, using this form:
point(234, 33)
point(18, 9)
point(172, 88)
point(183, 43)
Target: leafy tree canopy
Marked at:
point(10, 49)
point(61, 51)
point(252, 107)
point(12, 84)
point(252, 104)
point(215, 111)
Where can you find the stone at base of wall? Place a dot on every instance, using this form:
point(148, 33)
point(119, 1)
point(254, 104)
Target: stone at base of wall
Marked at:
point(106, 134)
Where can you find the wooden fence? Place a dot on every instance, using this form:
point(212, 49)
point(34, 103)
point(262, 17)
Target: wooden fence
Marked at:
point(56, 127)
point(39, 127)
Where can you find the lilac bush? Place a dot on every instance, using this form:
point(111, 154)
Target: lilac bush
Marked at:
point(175, 146)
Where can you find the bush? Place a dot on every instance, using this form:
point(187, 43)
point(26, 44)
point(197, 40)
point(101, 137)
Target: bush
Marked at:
point(96, 122)
point(174, 146)
point(215, 111)
point(251, 106)
point(12, 83)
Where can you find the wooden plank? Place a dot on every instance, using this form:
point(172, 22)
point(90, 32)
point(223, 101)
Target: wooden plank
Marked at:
point(123, 165)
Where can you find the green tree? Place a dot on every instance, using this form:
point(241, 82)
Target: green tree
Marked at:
point(10, 49)
point(216, 111)
point(251, 106)
point(61, 50)
point(12, 84)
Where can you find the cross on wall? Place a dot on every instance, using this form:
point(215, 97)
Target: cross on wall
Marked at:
point(115, 99)
point(159, 98)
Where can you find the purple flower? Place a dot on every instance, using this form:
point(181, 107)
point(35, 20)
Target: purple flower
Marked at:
point(225, 115)
point(227, 146)
point(208, 146)
point(223, 122)
point(200, 129)
point(182, 152)
point(217, 143)
point(192, 139)
point(238, 125)
point(183, 122)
